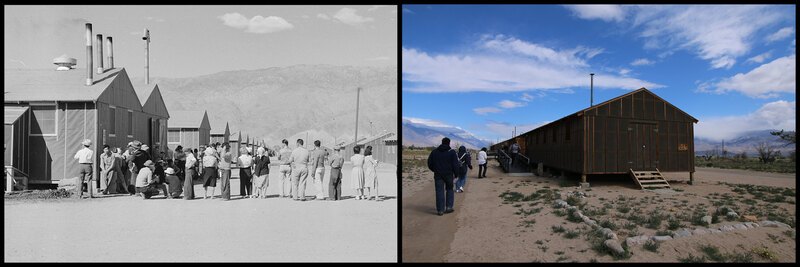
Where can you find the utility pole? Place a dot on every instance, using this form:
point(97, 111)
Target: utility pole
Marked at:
point(591, 86)
point(146, 38)
point(358, 95)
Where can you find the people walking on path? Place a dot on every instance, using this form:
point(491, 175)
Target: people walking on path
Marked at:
point(465, 164)
point(335, 181)
point(371, 174)
point(85, 158)
point(443, 162)
point(482, 163)
point(299, 160)
point(514, 153)
point(357, 176)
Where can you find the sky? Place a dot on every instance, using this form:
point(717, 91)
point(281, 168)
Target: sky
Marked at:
point(197, 40)
point(488, 69)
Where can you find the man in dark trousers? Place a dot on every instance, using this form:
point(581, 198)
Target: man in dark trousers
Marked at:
point(443, 162)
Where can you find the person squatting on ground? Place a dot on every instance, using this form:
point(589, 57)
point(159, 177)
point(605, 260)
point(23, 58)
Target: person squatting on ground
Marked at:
point(173, 183)
point(85, 157)
point(299, 160)
point(443, 162)
point(146, 185)
point(245, 163)
point(335, 181)
point(357, 177)
point(464, 161)
point(316, 168)
point(482, 163)
point(284, 156)
point(371, 174)
point(261, 174)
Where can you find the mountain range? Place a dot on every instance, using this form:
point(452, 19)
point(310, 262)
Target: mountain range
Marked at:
point(420, 134)
point(745, 142)
point(290, 102)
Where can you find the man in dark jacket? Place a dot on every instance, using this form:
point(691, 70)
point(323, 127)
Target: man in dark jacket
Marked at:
point(443, 162)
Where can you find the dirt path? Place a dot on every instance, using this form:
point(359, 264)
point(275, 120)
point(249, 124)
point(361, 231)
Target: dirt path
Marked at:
point(123, 228)
point(486, 230)
point(426, 236)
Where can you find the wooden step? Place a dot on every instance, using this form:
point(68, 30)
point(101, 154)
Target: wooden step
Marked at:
point(649, 179)
point(652, 181)
point(648, 176)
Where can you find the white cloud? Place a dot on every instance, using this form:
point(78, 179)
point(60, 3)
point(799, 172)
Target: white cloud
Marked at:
point(718, 34)
point(526, 97)
point(257, 24)
point(486, 110)
point(781, 34)
point(323, 16)
point(427, 122)
point(406, 10)
point(348, 16)
point(642, 62)
point(376, 7)
point(505, 64)
point(773, 115)
point(510, 104)
point(624, 71)
point(602, 12)
point(305, 16)
point(760, 58)
point(765, 81)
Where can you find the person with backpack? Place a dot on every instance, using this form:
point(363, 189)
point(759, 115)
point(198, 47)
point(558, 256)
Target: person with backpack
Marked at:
point(443, 162)
point(464, 162)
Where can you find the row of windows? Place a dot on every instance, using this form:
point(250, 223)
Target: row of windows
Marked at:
point(542, 135)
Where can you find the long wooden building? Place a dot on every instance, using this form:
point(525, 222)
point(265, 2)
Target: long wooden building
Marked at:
point(635, 131)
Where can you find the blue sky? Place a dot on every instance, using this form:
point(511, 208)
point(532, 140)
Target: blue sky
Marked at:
point(487, 69)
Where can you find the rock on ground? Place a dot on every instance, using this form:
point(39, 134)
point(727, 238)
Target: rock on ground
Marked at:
point(614, 246)
point(662, 238)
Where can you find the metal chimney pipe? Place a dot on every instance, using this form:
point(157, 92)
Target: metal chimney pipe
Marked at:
point(358, 95)
point(99, 43)
point(591, 84)
point(89, 66)
point(110, 49)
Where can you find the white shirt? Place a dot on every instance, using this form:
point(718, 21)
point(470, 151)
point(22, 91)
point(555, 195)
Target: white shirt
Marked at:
point(481, 157)
point(246, 161)
point(190, 160)
point(144, 177)
point(84, 155)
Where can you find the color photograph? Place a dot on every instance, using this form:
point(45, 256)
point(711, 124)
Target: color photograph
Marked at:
point(598, 133)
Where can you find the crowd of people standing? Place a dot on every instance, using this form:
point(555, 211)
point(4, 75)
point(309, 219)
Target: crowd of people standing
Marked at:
point(137, 171)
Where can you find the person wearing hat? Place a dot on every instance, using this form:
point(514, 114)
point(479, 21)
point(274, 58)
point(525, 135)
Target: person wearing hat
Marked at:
point(173, 183)
point(285, 169)
point(143, 180)
point(335, 181)
point(85, 159)
point(140, 156)
point(159, 177)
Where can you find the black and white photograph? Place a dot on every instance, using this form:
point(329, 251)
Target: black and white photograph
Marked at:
point(201, 133)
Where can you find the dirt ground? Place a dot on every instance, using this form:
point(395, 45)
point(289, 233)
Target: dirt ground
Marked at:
point(123, 228)
point(485, 229)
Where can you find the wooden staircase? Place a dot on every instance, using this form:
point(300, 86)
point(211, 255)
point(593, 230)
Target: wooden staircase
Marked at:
point(649, 179)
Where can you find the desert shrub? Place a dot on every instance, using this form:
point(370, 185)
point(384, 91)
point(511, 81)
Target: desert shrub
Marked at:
point(574, 201)
point(571, 234)
point(651, 245)
point(692, 259)
point(560, 212)
point(558, 229)
point(654, 221)
point(623, 208)
point(712, 253)
point(765, 253)
point(608, 224)
point(737, 257)
point(572, 217)
point(673, 224)
point(663, 232)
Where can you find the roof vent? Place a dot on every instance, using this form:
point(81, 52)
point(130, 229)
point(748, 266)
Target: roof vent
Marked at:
point(64, 62)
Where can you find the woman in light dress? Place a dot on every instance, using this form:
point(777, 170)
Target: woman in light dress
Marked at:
point(357, 177)
point(371, 174)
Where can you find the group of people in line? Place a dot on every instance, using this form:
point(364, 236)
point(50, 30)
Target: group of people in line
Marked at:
point(136, 172)
point(450, 169)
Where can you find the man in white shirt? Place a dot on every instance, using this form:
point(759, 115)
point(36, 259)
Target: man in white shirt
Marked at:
point(299, 160)
point(285, 169)
point(482, 163)
point(85, 158)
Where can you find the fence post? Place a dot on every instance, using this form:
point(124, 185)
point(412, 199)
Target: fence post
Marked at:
point(9, 179)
